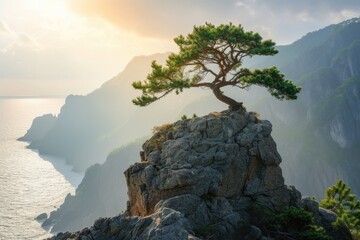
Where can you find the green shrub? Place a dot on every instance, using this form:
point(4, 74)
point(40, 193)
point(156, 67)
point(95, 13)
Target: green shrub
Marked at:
point(184, 117)
point(203, 231)
point(291, 223)
point(315, 233)
point(294, 217)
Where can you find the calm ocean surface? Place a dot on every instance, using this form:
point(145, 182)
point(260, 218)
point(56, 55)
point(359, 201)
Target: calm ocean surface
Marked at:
point(29, 184)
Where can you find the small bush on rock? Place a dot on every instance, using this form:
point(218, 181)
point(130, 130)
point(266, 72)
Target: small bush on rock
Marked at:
point(291, 223)
point(204, 231)
point(160, 135)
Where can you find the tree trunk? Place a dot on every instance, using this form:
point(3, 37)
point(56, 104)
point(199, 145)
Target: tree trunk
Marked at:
point(233, 105)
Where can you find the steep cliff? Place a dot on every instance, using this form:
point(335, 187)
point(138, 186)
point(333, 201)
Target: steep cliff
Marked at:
point(212, 177)
point(89, 127)
point(39, 127)
point(322, 127)
point(102, 193)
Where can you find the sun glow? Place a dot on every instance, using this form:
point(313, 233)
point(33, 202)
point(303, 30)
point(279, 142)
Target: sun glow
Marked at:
point(47, 48)
point(50, 9)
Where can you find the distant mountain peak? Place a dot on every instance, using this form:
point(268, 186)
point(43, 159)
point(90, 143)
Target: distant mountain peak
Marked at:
point(350, 21)
point(138, 62)
point(321, 35)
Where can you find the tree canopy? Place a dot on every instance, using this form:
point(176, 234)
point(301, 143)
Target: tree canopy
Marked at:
point(211, 57)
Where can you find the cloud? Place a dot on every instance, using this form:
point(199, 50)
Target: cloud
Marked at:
point(167, 19)
point(345, 14)
point(304, 17)
point(4, 28)
point(24, 39)
point(155, 18)
point(246, 7)
point(15, 41)
point(10, 39)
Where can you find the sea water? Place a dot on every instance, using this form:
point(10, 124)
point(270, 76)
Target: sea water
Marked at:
point(29, 184)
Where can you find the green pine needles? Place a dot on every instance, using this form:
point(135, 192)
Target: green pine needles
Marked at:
point(340, 200)
point(211, 57)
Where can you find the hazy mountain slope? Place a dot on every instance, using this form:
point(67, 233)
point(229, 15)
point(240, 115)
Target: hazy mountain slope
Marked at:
point(102, 193)
point(89, 127)
point(319, 134)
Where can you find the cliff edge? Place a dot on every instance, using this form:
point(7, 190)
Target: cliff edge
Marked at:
point(213, 177)
point(39, 127)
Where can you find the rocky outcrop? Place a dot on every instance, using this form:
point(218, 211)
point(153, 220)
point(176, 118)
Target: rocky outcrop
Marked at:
point(227, 155)
point(204, 178)
point(39, 127)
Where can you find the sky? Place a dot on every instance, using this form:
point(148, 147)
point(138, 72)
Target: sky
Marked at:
point(61, 47)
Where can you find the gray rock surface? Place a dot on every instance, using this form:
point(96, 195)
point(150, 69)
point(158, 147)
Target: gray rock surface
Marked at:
point(222, 155)
point(166, 223)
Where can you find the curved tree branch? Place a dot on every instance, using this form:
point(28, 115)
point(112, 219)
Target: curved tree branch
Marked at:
point(233, 105)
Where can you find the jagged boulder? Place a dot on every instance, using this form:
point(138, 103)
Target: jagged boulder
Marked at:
point(229, 155)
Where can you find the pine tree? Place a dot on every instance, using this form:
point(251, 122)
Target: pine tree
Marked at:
point(340, 200)
point(215, 53)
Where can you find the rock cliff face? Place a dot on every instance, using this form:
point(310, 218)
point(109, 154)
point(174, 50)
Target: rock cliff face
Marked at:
point(228, 155)
point(204, 178)
point(321, 128)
